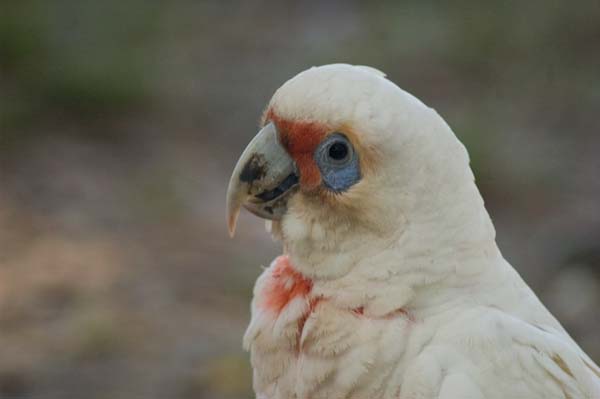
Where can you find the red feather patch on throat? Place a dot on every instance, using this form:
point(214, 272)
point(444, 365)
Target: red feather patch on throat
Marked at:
point(284, 285)
point(300, 139)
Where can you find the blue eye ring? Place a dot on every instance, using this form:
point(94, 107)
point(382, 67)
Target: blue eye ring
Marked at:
point(338, 162)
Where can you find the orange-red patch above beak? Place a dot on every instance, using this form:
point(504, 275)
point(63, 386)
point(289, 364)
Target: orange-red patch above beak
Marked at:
point(300, 139)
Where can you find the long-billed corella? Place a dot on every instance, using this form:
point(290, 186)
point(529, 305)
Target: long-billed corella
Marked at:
point(391, 284)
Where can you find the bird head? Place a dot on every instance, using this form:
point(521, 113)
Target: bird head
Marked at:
point(346, 163)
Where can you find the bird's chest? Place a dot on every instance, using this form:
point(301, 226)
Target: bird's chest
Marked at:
point(306, 346)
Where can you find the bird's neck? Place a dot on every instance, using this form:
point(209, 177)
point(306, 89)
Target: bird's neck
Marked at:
point(450, 249)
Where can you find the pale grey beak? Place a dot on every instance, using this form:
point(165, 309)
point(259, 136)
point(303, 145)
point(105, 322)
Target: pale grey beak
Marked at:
point(262, 179)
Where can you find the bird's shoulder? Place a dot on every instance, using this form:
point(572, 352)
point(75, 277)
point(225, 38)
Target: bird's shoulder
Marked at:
point(488, 352)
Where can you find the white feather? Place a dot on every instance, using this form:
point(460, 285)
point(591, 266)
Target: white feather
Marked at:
point(420, 240)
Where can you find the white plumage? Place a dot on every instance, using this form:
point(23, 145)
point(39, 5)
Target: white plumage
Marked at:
point(395, 288)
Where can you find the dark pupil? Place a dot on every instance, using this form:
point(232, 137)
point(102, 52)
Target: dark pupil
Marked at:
point(338, 151)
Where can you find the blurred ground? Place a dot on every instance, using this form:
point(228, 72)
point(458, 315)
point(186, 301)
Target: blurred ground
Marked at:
point(120, 123)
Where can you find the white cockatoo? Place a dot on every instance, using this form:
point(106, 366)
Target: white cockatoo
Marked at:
point(391, 284)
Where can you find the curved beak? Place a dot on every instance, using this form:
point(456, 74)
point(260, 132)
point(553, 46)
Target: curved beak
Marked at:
point(262, 180)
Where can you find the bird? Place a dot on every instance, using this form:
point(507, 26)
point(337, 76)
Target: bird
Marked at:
point(390, 284)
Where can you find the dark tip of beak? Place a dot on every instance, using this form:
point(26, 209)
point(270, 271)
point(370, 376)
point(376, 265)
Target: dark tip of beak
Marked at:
point(255, 169)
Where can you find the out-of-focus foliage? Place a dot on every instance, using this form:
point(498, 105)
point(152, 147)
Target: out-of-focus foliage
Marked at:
point(120, 122)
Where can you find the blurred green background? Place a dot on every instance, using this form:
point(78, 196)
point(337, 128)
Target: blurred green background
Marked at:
point(120, 122)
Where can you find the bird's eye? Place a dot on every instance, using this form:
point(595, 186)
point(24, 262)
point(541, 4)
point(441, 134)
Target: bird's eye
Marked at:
point(338, 151)
point(338, 162)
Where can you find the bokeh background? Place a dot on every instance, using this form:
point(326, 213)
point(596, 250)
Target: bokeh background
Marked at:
point(120, 122)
